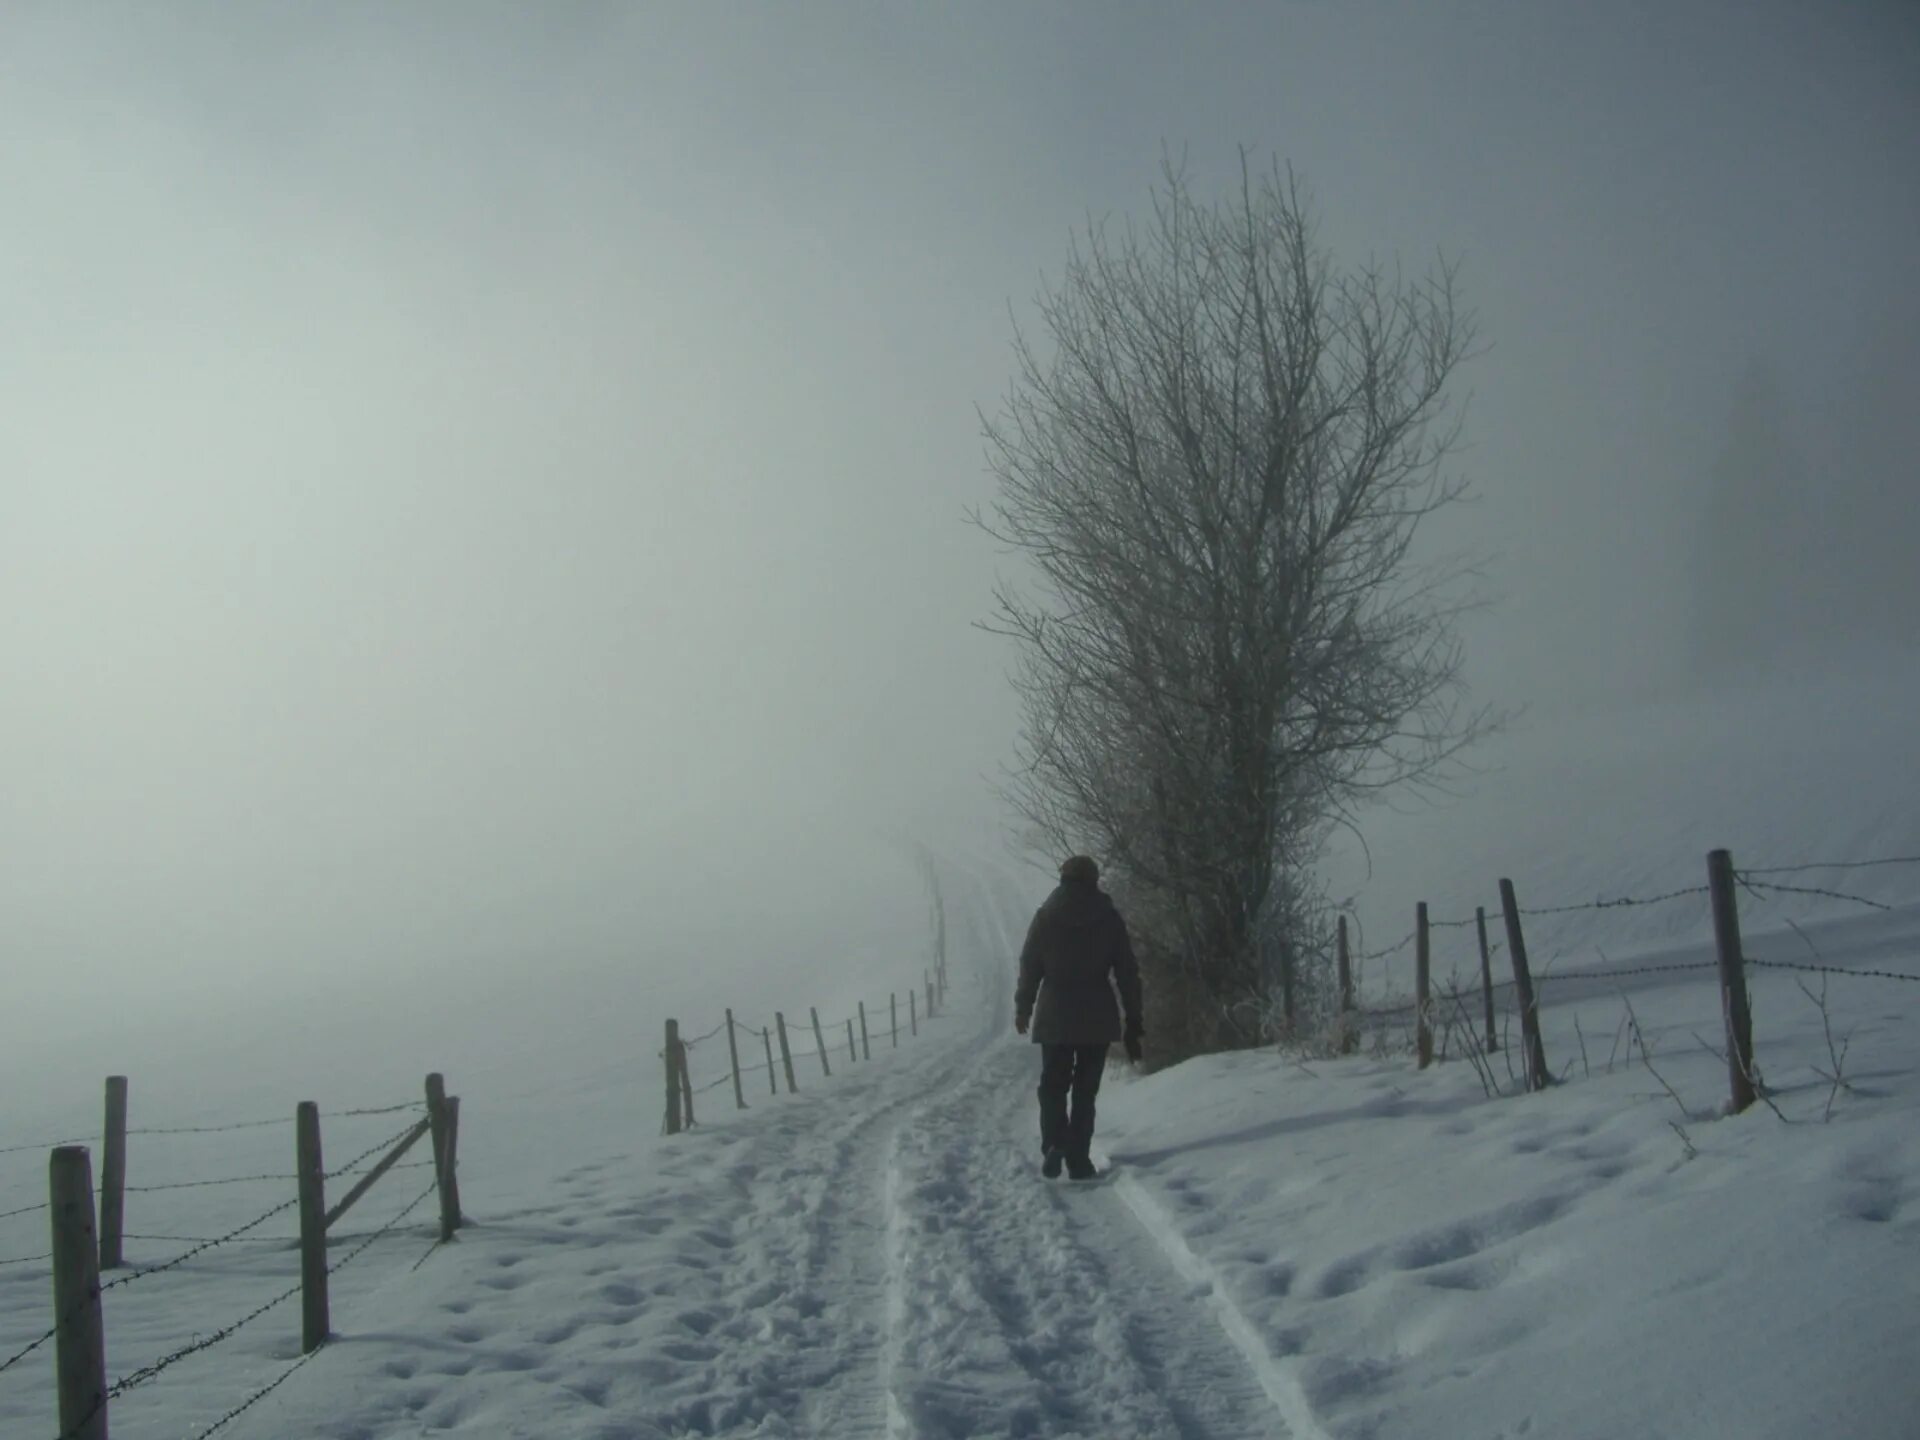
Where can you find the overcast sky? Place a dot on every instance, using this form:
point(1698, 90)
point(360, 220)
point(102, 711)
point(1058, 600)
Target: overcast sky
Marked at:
point(481, 486)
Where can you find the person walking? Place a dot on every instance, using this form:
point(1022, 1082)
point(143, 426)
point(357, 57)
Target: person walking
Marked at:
point(1076, 955)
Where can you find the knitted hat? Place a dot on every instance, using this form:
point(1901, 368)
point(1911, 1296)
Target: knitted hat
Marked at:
point(1079, 870)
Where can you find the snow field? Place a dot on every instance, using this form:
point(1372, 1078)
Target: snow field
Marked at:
point(1422, 1260)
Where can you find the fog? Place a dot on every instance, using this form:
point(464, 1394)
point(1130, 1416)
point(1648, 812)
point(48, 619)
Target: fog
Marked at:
point(482, 487)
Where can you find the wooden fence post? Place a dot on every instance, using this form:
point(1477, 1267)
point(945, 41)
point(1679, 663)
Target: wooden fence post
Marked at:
point(866, 1050)
point(1422, 991)
point(311, 1176)
point(852, 1053)
point(672, 1054)
point(766, 1038)
point(929, 980)
point(1733, 978)
point(733, 1056)
point(1486, 974)
point(113, 1175)
point(893, 1014)
point(786, 1054)
point(686, 1086)
point(1536, 1052)
point(453, 1162)
point(939, 945)
point(437, 1128)
point(913, 1013)
point(1349, 1038)
point(80, 1348)
point(820, 1041)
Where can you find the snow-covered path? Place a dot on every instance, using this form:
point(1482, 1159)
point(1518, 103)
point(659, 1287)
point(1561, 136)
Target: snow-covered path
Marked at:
point(886, 1261)
point(875, 1257)
point(1036, 1309)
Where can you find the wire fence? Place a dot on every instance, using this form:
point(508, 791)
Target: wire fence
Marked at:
point(886, 1020)
point(263, 1123)
point(1747, 876)
point(254, 1399)
point(151, 1371)
point(1752, 881)
point(369, 1164)
point(1810, 865)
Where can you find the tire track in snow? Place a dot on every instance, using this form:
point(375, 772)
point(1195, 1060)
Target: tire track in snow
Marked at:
point(805, 1307)
point(816, 1292)
point(1041, 1309)
point(1286, 1393)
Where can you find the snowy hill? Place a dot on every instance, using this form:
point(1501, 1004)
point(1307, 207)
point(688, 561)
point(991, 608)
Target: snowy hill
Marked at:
point(1336, 1248)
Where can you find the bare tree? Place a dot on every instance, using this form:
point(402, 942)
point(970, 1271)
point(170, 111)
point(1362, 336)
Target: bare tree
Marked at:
point(1217, 470)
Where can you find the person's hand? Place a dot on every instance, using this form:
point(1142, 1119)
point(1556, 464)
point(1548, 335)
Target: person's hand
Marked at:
point(1019, 1024)
point(1133, 1048)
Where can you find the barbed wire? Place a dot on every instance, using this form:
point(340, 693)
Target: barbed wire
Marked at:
point(426, 1255)
point(18, 1356)
point(149, 1372)
point(1831, 970)
point(209, 1129)
point(374, 1110)
point(372, 1150)
point(713, 1084)
point(204, 1184)
point(1411, 1007)
point(257, 1396)
point(1543, 979)
point(202, 1247)
point(265, 1124)
point(41, 1145)
point(1746, 876)
point(26, 1259)
point(1561, 977)
point(1769, 885)
point(412, 1205)
point(697, 1039)
point(1618, 903)
point(99, 1403)
point(1830, 865)
point(215, 1129)
point(1621, 903)
point(271, 1239)
point(1393, 949)
point(137, 1378)
point(23, 1210)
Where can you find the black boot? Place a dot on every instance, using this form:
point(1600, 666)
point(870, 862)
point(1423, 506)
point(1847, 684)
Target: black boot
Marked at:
point(1079, 1167)
point(1050, 1167)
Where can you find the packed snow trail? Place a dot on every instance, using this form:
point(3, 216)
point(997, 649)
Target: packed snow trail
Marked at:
point(1038, 1308)
point(877, 1256)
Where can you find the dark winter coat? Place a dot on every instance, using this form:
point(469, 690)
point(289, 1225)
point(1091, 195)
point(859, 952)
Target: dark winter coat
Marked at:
point(1077, 953)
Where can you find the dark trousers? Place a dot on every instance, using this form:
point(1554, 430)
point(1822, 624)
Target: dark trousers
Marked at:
point(1069, 1070)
